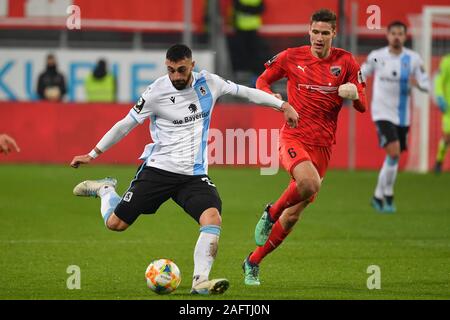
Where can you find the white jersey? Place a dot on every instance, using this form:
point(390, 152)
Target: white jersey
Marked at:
point(179, 121)
point(391, 88)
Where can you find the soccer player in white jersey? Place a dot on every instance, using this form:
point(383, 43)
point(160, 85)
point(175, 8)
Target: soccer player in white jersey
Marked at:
point(396, 70)
point(175, 165)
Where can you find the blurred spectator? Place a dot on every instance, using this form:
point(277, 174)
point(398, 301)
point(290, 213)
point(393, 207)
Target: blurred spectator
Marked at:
point(8, 144)
point(248, 55)
point(51, 83)
point(100, 85)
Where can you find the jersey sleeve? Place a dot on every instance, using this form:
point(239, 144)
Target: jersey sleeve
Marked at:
point(224, 86)
point(354, 75)
point(143, 107)
point(276, 69)
point(420, 75)
point(368, 67)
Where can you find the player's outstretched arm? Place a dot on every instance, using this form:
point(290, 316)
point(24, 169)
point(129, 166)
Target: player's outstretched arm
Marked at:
point(114, 135)
point(263, 98)
point(419, 78)
point(268, 77)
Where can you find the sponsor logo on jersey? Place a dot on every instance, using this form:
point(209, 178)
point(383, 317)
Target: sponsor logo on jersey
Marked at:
point(139, 105)
point(194, 117)
point(321, 89)
point(192, 108)
point(335, 70)
point(172, 99)
point(389, 79)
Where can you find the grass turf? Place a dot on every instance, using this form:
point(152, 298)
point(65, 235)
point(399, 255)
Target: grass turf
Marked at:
point(44, 229)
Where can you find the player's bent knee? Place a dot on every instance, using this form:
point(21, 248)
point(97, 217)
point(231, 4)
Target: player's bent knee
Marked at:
point(116, 224)
point(308, 187)
point(210, 216)
point(394, 156)
point(393, 150)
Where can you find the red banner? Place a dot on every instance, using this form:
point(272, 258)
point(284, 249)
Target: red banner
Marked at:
point(131, 15)
point(280, 16)
point(239, 135)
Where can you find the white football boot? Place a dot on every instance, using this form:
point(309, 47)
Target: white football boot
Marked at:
point(214, 286)
point(90, 188)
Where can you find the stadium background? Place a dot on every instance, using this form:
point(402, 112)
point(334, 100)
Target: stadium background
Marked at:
point(133, 36)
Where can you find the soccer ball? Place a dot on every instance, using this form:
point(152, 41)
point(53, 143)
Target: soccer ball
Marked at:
point(163, 276)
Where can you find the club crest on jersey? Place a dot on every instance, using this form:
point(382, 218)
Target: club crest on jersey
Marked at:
point(139, 105)
point(192, 108)
point(203, 91)
point(335, 70)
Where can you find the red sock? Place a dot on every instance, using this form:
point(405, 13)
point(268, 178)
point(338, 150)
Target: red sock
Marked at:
point(289, 198)
point(276, 237)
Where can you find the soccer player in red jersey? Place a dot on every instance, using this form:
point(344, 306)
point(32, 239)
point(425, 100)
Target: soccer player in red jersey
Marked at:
point(319, 78)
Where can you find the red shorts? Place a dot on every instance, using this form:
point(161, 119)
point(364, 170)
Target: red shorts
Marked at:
point(292, 152)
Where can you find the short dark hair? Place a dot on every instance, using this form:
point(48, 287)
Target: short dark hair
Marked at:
point(178, 52)
point(324, 15)
point(397, 24)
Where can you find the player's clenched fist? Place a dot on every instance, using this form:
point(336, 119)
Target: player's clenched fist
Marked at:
point(77, 160)
point(348, 91)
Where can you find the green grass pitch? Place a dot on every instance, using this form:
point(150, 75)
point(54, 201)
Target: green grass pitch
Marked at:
point(44, 229)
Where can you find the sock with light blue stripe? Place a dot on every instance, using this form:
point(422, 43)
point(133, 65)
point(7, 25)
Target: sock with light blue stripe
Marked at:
point(386, 178)
point(110, 200)
point(390, 175)
point(205, 252)
point(212, 229)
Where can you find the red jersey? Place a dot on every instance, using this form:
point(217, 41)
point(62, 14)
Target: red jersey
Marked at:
point(312, 89)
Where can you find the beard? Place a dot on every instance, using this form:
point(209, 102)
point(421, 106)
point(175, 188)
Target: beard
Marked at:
point(179, 84)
